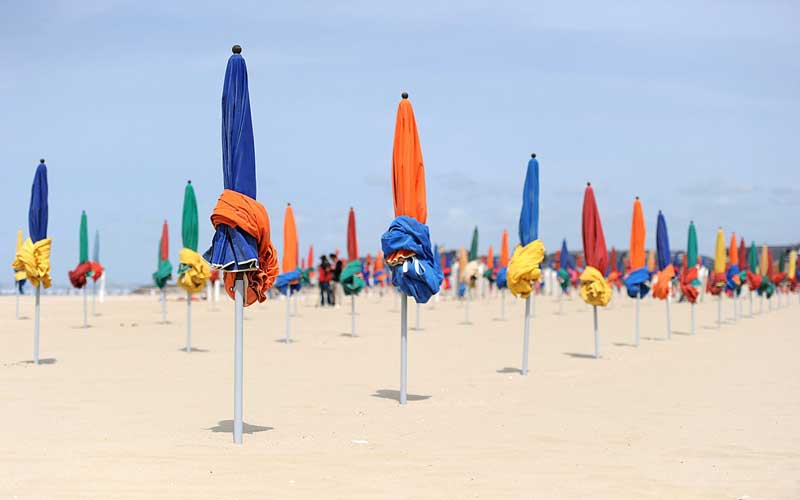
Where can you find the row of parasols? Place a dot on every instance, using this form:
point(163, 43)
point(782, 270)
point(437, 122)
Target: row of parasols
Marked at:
point(242, 247)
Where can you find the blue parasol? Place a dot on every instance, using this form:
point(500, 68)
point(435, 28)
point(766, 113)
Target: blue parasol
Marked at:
point(37, 214)
point(529, 216)
point(662, 243)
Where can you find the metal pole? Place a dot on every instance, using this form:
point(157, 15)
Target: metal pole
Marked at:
point(750, 300)
point(188, 321)
point(466, 306)
point(288, 339)
point(761, 304)
point(36, 325)
point(353, 315)
point(503, 304)
point(527, 335)
point(85, 309)
point(533, 302)
point(416, 325)
point(16, 289)
point(719, 311)
point(596, 335)
point(238, 329)
point(638, 303)
point(735, 306)
point(693, 330)
point(163, 305)
point(561, 302)
point(669, 318)
point(403, 348)
point(94, 297)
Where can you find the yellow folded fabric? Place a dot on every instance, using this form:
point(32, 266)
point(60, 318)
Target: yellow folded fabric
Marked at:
point(595, 290)
point(194, 271)
point(523, 269)
point(33, 259)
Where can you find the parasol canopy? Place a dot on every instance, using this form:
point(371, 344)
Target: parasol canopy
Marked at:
point(595, 290)
point(84, 269)
point(193, 271)
point(637, 281)
point(352, 240)
point(504, 249)
point(529, 216)
point(666, 270)
point(290, 245)
point(524, 267)
point(33, 257)
point(164, 270)
point(473, 247)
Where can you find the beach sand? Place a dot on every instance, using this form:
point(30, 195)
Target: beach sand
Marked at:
point(120, 411)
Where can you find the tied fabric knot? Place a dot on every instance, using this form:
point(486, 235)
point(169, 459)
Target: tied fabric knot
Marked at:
point(33, 259)
point(502, 278)
point(289, 281)
point(409, 254)
point(753, 280)
point(163, 273)
point(237, 210)
point(97, 270)
point(638, 283)
point(595, 290)
point(767, 287)
point(614, 279)
point(352, 282)
point(733, 282)
point(563, 279)
point(687, 282)
point(469, 274)
point(78, 275)
point(661, 286)
point(716, 283)
point(193, 271)
point(523, 269)
point(777, 278)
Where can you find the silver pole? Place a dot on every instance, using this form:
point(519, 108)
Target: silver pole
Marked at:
point(561, 302)
point(669, 319)
point(750, 300)
point(638, 303)
point(403, 348)
point(761, 304)
point(353, 315)
point(16, 290)
point(735, 306)
point(288, 339)
point(188, 321)
point(596, 335)
point(503, 304)
point(163, 305)
point(94, 297)
point(238, 329)
point(719, 311)
point(416, 325)
point(527, 335)
point(36, 325)
point(85, 308)
point(693, 330)
point(533, 303)
point(466, 306)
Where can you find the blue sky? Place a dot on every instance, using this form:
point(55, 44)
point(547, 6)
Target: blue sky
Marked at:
point(693, 106)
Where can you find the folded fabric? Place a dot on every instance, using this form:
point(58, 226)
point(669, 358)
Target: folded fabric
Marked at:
point(595, 290)
point(34, 260)
point(638, 283)
point(767, 288)
point(289, 280)
point(469, 274)
point(733, 281)
point(351, 282)
point(407, 245)
point(717, 282)
point(777, 278)
point(661, 286)
point(687, 282)
point(162, 274)
point(78, 275)
point(615, 279)
point(502, 278)
point(97, 270)
point(563, 279)
point(241, 223)
point(523, 269)
point(753, 280)
point(193, 271)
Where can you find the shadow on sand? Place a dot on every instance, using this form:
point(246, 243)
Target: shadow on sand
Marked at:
point(194, 349)
point(227, 426)
point(579, 355)
point(509, 369)
point(395, 395)
point(42, 361)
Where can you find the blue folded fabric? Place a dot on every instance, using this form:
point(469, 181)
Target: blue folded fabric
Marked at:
point(729, 274)
point(283, 280)
point(232, 250)
point(637, 283)
point(502, 278)
point(419, 276)
point(462, 289)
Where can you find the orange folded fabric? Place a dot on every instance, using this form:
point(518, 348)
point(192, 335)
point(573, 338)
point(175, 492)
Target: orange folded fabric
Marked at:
point(716, 283)
point(235, 209)
point(688, 275)
point(661, 287)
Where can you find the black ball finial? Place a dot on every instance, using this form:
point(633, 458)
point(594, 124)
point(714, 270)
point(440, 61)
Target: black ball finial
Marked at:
point(637, 197)
point(404, 95)
point(189, 181)
point(533, 155)
point(41, 160)
point(237, 49)
point(588, 184)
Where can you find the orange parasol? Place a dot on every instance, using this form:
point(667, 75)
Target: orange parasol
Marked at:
point(504, 250)
point(290, 250)
point(408, 170)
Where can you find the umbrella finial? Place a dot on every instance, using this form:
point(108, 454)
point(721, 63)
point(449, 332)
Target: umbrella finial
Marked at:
point(588, 184)
point(189, 181)
point(404, 95)
point(533, 155)
point(41, 160)
point(691, 222)
point(637, 197)
point(236, 49)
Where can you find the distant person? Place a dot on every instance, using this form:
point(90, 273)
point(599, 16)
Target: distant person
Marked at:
point(338, 293)
point(325, 272)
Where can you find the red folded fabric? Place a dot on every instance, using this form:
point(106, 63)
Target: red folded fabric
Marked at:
point(235, 209)
point(716, 283)
point(753, 280)
point(688, 275)
point(97, 270)
point(78, 275)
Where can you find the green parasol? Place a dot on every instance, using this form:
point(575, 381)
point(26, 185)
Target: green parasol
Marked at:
point(752, 258)
point(351, 282)
point(473, 249)
point(189, 229)
point(691, 246)
point(84, 239)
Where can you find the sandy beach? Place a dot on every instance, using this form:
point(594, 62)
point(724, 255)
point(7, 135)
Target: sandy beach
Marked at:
point(120, 411)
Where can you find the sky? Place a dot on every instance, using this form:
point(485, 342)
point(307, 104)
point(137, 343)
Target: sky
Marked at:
point(693, 106)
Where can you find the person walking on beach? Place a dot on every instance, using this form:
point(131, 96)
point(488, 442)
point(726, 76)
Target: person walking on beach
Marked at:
point(325, 276)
